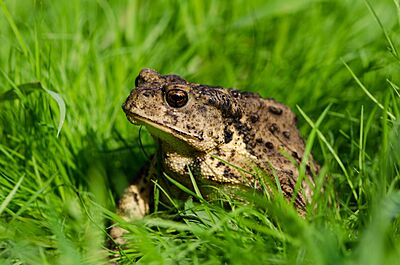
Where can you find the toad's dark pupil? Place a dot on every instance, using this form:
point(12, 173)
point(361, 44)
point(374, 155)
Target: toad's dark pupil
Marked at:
point(177, 98)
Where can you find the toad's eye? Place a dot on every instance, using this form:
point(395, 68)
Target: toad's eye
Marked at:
point(177, 98)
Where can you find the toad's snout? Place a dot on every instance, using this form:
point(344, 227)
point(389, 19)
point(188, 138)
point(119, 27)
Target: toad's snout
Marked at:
point(130, 103)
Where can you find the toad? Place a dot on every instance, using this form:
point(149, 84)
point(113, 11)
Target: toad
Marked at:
point(216, 136)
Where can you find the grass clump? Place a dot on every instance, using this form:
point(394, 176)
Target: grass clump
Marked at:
point(70, 64)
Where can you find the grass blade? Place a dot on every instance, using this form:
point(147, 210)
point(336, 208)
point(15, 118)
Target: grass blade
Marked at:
point(61, 108)
point(307, 150)
point(395, 87)
point(393, 49)
point(11, 195)
point(367, 92)
point(194, 183)
point(330, 148)
point(397, 4)
point(23, 89)
point(361, 141)
point(14, 28)
point(159, 187)
point(183, 188)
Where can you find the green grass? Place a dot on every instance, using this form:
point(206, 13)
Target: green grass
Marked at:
point(337, 60)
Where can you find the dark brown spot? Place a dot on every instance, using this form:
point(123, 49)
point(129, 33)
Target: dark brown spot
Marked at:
point(227, 135)
point(308, 170)
point(202, 109)
point(275, 110)
point(274, 128)
point(211, 101)
point(254, 118)
point(259, 140)
point(286, 134)
point(248, 94)
point(219, 164)
point(235, 93)
point(194, 166)
point(135, 197)
point(289, 173)
point(228, 174)
point(247, 138)
point(200, 135)
point(295, 155)
point(269, 145)
point(239, 126)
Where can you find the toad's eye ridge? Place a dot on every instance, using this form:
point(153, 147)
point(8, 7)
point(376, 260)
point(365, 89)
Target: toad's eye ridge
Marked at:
point(177, 98)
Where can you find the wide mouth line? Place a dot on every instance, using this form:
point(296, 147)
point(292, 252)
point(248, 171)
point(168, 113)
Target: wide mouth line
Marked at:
point(157, 125)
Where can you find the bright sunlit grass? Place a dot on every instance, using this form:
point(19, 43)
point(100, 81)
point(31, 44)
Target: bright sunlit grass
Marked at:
point(67, 151)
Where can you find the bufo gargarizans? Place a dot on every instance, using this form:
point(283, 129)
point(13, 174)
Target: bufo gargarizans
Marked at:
point(219, 135)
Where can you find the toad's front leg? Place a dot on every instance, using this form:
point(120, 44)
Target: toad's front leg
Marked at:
point(134, 204)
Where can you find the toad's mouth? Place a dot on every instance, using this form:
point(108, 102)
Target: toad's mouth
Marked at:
point(161, 131)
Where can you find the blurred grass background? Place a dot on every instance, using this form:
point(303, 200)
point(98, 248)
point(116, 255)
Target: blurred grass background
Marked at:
point(57, 194)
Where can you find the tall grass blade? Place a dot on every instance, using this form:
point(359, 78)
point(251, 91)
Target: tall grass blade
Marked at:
point(395, 87)
point(367, 92)
point(330, 148)
point(361, 141)
point(9, 197)
point(307, 150)
point(194, 183)
point(61, 107)
point(14, 28)
point(182, 187)
point(393, 49)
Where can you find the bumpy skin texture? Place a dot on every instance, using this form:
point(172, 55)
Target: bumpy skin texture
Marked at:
point(197, 124)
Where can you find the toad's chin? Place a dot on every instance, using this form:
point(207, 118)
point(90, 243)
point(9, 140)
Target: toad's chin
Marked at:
point(173, 137)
